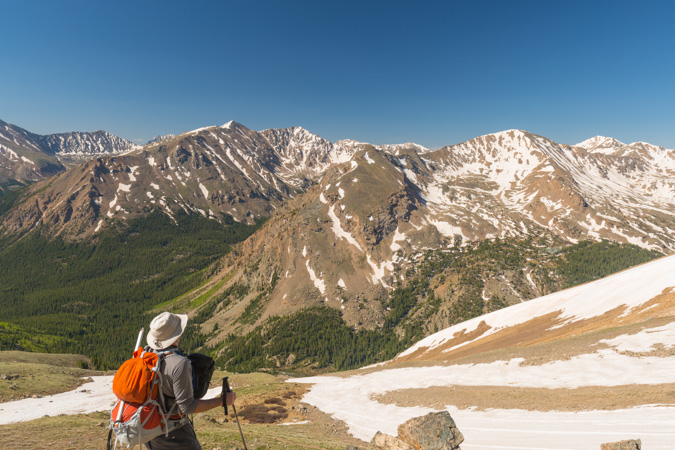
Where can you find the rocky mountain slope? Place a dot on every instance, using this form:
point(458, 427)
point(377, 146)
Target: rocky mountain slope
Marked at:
point(227, 172)
point(354, 236)
point(26, 157)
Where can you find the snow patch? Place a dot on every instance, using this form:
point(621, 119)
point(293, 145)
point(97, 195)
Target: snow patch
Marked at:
point(205, 192)
point(398, 236)
point(379, 271)
point(645, 340)
point(339, 231)
point(90, 397)
point(446, 229)
point(132, 173)
point(318, 282)
point(95, 395)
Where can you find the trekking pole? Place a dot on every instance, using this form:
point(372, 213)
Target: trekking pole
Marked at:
point(226, 389)
point(140, 338)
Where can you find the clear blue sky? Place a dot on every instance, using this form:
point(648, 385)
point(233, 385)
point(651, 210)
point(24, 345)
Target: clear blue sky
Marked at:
point(435, 73)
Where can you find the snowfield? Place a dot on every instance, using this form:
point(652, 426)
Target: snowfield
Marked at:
point(633, 287)
point(349, 399)
point(93, 396)
point(619, 361)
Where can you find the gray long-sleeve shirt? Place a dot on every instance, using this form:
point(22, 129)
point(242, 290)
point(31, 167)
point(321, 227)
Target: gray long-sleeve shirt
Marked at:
point(177, 375)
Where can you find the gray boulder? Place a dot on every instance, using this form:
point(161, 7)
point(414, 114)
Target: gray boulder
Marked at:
point(435, 431)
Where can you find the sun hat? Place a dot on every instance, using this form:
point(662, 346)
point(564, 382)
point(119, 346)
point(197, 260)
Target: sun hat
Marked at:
point(165, 329)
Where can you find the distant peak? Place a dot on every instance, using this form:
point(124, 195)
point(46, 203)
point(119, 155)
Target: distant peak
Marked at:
point(197, 130)
point(502, 135)
point(350, 143)
point(296, 132)
point(233, 125)
point(643, 144)
point(161, 137)
point(513, 132)
point(600, 143)
point(407, 145)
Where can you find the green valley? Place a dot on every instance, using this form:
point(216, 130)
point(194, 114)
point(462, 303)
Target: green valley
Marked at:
point(91, 297)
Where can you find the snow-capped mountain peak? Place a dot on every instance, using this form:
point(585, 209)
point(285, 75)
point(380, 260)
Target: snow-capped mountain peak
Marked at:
point(393, 148)
point(601, 144)
point(26, 156)
point(161, 137)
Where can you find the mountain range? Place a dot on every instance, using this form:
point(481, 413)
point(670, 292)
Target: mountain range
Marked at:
point(348, 222)
point(506, 184)
point(27, 157)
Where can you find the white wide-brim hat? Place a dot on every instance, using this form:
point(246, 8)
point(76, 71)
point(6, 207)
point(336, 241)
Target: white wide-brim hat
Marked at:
point(165, 329)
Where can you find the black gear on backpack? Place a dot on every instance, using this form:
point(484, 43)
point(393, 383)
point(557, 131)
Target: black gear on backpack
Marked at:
point(202, 369)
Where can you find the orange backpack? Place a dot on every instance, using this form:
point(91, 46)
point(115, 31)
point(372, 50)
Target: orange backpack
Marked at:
point(139, 415)
point(133, 382)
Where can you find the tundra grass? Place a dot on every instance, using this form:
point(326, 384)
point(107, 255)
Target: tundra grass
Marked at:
point(24, 374)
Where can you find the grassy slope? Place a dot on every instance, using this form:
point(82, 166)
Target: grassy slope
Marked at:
point(27, 374)
point(255, 393)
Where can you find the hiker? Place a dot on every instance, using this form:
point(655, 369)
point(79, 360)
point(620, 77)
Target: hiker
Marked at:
point(165, 333)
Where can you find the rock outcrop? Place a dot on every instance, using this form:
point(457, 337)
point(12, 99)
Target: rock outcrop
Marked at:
point(631, 444)
point(435, 431)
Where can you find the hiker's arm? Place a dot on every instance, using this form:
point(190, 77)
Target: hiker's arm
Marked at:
point(206, 404)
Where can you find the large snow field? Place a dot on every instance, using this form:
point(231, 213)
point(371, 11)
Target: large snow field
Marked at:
point(350, 399)
point(632, 287)
point(93, 396)
point(531, 430)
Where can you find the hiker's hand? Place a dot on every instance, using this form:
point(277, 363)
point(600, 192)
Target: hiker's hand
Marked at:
point(229, 399)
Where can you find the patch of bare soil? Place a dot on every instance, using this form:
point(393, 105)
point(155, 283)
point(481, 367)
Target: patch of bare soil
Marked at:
point(285, 406)
point(534, 399)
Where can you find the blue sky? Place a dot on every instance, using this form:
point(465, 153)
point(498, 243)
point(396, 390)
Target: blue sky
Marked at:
point(435, 73)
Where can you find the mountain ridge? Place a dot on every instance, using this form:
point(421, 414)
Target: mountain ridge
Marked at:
point(28, 157)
